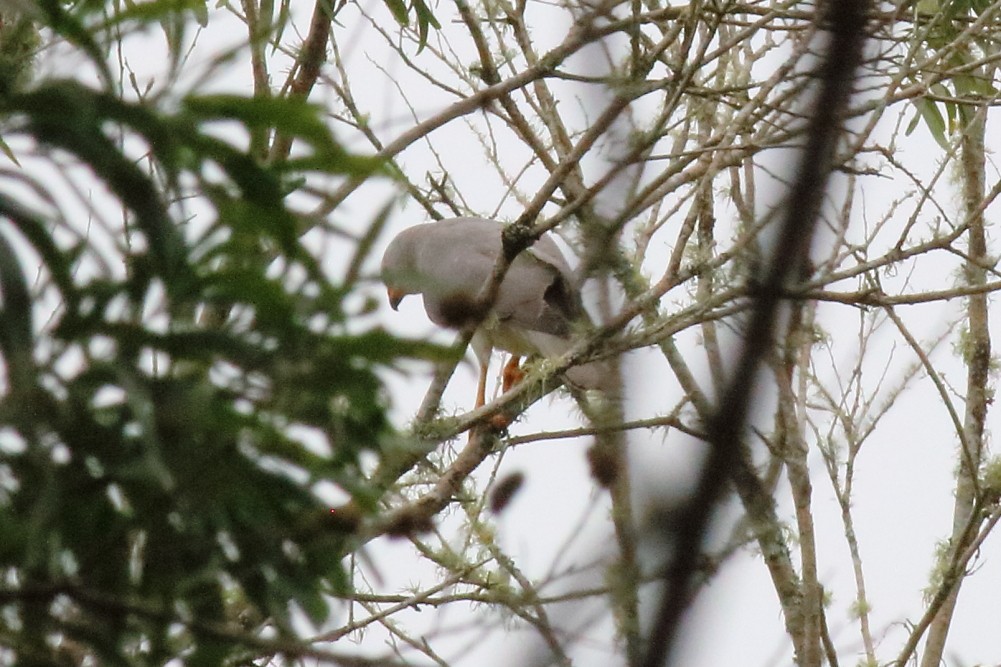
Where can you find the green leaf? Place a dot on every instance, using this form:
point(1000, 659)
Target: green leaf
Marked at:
point(291, 117)
point(425, 19)
point(928, 111)
point(8, 152)
point(156, 10)
point(35, 230)
point(398, 10)
point(16, 339)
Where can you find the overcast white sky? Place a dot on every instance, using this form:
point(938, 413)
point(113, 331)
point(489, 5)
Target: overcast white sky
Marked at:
point(904, 483)
point(905, 477)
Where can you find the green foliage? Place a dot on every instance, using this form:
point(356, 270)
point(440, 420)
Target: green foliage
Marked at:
point(173, 391)
point(425, 18)
point(949, 101)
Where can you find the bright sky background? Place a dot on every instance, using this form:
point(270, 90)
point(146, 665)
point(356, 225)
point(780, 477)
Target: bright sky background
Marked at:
point(904, 485)
point(903, 497)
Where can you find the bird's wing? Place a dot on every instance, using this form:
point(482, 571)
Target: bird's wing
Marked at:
point(456, 257)
point(537, 297)
point(546, 250)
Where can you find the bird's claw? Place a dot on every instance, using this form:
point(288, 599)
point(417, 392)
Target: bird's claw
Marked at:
point(512, 374)
point(499, 421)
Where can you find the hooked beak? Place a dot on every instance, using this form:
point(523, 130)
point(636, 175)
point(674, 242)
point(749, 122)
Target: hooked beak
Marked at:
point(395, 297)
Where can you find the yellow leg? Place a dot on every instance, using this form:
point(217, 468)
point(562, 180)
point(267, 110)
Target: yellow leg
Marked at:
point(512, 374)
point(481, 387)
point(499, 421)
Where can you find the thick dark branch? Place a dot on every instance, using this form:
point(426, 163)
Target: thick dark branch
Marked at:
point(847, 22)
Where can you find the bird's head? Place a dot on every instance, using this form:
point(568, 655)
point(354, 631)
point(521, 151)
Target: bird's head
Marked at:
point(399, 271)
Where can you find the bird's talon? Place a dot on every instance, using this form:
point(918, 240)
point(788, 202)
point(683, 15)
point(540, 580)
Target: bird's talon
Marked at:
point(499, 421)
point(512, 374)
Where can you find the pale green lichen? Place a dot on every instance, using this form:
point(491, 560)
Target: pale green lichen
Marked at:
point(990, 479)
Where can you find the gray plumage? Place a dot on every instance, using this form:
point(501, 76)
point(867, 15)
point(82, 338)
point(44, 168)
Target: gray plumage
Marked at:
point(449, 262)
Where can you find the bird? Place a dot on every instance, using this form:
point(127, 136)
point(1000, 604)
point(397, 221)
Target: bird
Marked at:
point(537, 307)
